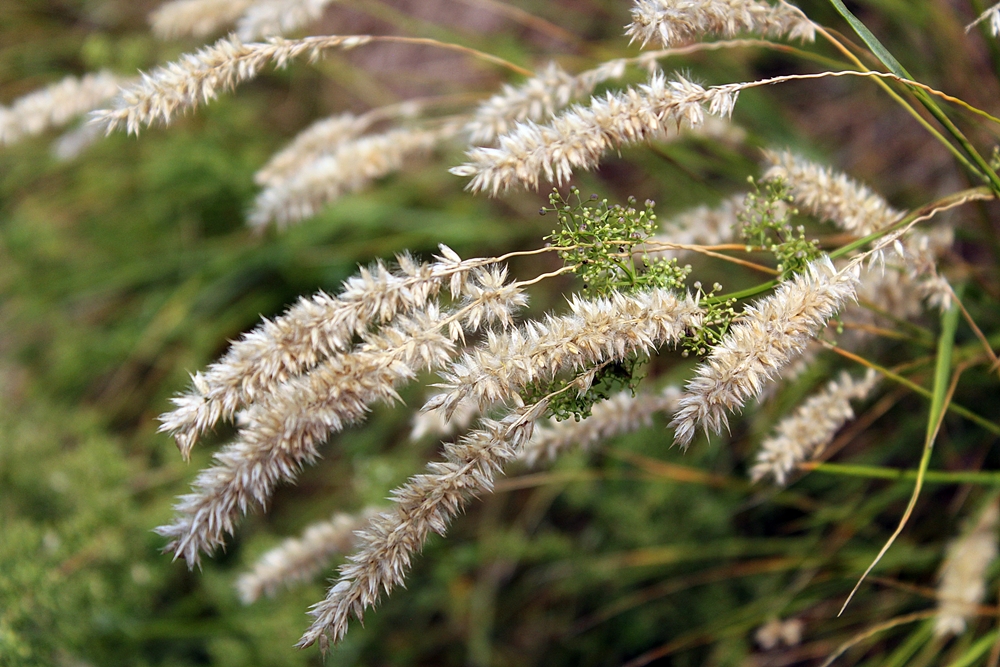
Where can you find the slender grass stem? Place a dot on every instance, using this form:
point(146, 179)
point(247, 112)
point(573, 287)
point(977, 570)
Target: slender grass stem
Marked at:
point(982, 168)
point(902, 102)
point(924, 213)
point(943, 392)
point(982, 477)
point(992, 427)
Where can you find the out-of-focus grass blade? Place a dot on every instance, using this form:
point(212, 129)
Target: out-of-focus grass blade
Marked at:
point(939, 402)
point(896, 68)
point(901, 656)
point(871, 40)
point(976, 650)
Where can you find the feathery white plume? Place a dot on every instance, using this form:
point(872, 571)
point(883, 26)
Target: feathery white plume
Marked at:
point(700, 226)
point(622, 413)
point(804, 433)
point(324, 137)
point(578, 137)
point(307, 333)
point(299, 559)
point(769, 334)
point(195, 18)
point(199, 77)
point(56, 105)
point(282, 431)
point(831, 195)
point(595, 331)
point(268, 18)
point(348, 167)
point(426, 503)
point(963, 573)
point(538, 98)
point(992, 15)
point(674, 22)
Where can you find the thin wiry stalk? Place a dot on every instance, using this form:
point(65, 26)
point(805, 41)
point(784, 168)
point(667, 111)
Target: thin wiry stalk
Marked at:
point(703, 225)
point(199, 77)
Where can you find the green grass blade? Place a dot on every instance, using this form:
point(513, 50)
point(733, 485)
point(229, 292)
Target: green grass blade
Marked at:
point(902, 655)
point(897, 68)
point(946, 346)
point(871, 40)
point(976, 651)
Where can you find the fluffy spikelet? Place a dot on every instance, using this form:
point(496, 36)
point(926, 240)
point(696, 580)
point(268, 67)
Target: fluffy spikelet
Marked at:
point(198, 77)
point(898, 288)
point(56, 105)
point(267, 18)
point(427, 503)
point(577, 138)
point(300, 559)
point(993, 16)
point(324, 137)
point(307, 333)
point(700, 226)
point(811, 427)
point(963, 574)
point(904, 283)
point(320, 138)
point(349, 167)
point(776, 632)
point(831, 195)
point(75, 141)
point(766, 337)
point(435, 423)
point(622, 413)
point(595, 331)
point(675, 22)
point(536, 99)
point(256, 18)
point(281, 432)
point(195, 18)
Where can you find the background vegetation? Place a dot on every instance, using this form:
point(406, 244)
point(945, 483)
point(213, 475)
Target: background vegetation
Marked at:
point(129, 267)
